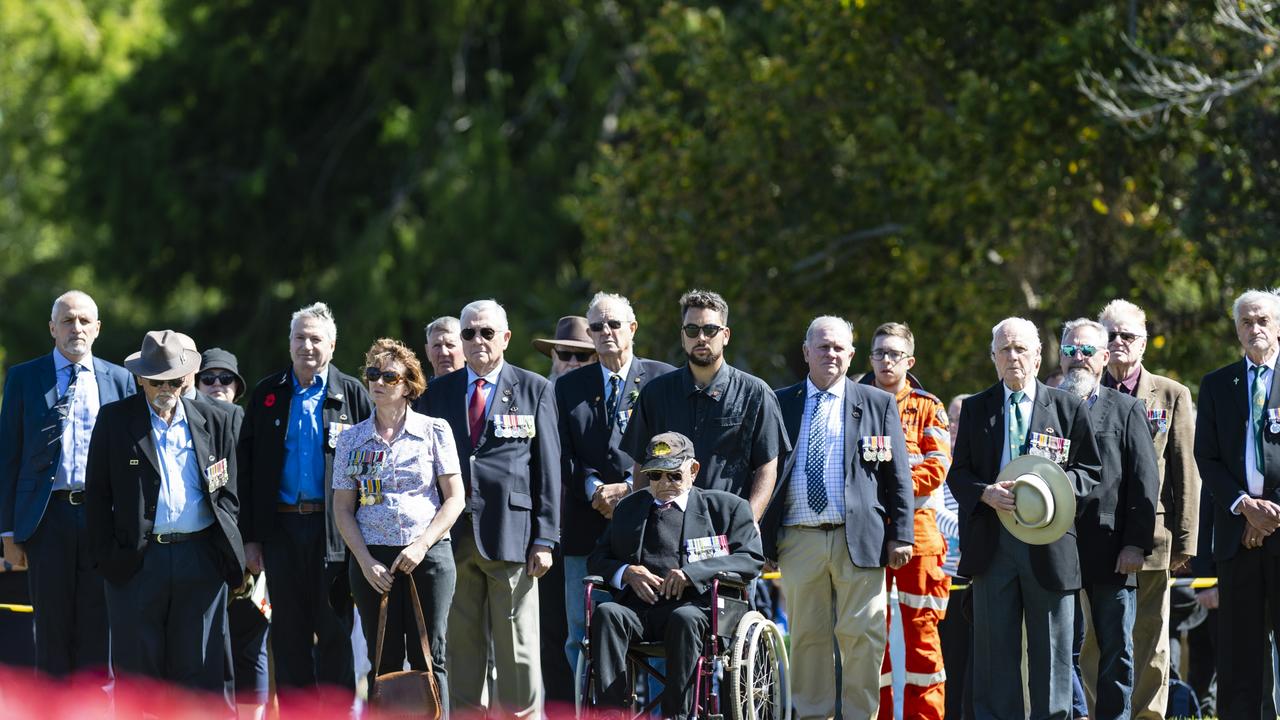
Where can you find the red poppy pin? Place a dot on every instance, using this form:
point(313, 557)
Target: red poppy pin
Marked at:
point(269, 400)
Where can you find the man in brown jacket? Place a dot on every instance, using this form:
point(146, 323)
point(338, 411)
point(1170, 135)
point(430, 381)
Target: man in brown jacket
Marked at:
point(1171, 415)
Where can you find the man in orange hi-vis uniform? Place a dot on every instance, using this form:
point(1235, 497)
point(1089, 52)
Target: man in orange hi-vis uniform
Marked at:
point(923, 587)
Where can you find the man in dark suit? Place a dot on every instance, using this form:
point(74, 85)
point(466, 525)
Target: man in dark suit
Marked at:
point(504, 418)
point(1116, 523)
point(594, 404)
point(51, 406)
point(843, 511)
point(661, 552)
point(161, 504)
point(1238, 454)
point(1013, 581)
point(291, 427)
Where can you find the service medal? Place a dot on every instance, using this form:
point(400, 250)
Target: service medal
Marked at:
point(868, 453)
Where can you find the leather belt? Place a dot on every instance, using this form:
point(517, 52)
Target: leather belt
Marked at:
point(302, 508)
point(75, 497)
point(176, 537)
point(822, 526)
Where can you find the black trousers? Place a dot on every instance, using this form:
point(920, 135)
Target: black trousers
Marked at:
point(435, 577)
point(67, 594)
point(169, 620)
point(954, 631)
point(1249, 598)
point(248, 628)
point(553, 630)
point(682, 626)
point(311, 640)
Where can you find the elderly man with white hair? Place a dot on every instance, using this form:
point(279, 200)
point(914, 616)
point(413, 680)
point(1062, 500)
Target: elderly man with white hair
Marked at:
point(1171, 418)
point(1016, 583)
point(504, 426)
point(1237, 450)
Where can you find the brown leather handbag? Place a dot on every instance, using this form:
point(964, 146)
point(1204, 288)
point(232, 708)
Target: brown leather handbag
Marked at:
point(405, 693)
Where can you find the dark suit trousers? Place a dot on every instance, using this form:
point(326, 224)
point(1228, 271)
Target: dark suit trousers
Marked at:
point(435, 578)
point(67, 594)
point(248, 630)
point(681, 626)
point(1249, 600)
point(169, 620)
point(310, 640)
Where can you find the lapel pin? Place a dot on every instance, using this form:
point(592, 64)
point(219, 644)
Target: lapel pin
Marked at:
point(133, 462)
point(1235, 381)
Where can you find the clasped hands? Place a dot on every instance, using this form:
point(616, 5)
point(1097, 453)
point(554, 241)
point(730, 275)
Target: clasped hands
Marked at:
point(606, 497)
point(1262, 518)
point(650, 588)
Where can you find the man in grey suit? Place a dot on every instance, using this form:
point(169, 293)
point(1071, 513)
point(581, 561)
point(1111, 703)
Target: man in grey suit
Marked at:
point(844, 509)
point(1013, 581)
point(504, 419)
point(50, 408)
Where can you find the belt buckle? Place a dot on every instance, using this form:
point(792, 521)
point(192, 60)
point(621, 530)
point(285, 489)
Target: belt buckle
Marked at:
point(75, 497)
point(160, 538)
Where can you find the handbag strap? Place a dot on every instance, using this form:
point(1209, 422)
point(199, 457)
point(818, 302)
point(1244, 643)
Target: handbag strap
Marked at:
point(382, 628)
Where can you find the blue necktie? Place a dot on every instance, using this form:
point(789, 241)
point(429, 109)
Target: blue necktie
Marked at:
point(56, 418)
point(815, 458)
point(611, 402)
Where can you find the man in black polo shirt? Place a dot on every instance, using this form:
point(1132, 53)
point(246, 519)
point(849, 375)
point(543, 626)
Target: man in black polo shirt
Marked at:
point(732, 417)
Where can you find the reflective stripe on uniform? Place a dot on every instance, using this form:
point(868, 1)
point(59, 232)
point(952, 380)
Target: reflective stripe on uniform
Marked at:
point(926, 679)
point(922, 602)
point(886, 679)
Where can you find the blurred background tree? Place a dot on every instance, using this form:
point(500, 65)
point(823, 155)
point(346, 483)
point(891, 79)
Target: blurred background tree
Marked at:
point(212, 166)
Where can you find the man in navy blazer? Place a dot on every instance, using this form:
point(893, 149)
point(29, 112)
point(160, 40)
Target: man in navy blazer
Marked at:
point(1013, 580)
point(1238, 454)
point(45, 425)
point(504, 420)
point(844, 509)
point(593, 408)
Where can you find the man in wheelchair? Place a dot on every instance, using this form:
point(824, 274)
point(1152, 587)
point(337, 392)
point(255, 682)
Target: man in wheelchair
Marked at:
point(660, 553)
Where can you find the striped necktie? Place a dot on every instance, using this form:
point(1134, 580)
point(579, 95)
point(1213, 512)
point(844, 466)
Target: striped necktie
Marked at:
point(56, 419)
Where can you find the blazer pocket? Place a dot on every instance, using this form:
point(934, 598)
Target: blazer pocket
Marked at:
point(520, 501)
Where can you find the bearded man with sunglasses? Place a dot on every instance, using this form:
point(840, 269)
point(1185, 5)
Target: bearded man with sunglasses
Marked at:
point(1115, 524)
point(504, 426)
point(161, 506)
point(1171, 420)
point(291, 427)
point(731, 417)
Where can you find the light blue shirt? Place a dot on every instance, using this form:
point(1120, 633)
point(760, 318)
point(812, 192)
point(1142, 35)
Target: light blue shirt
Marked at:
point(69, 473)
point(182, 505)
point(303, 476)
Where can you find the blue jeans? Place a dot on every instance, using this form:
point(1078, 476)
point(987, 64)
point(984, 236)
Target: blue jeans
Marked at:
point(575, 609)
point(1112, 611)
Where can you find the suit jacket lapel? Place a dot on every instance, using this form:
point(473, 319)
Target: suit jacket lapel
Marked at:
point(636, 524)
point(1270, 450)
point(996, 426)
point(140, 429)
point(49, 381)
point(852, 423)
point(106, 389)
point(502, 401)
point(200, 440)
point(697, 523)
point(1146, 390)
point(1241, 391)
point(793, 412)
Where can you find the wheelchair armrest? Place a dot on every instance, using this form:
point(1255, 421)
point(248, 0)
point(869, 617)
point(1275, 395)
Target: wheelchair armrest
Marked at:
point(733, 580)
point(593, 580)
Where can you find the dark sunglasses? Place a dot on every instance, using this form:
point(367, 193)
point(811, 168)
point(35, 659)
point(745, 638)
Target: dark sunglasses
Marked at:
point(388, 377)
point(579, 355)
point(486, 333)
point(1085, 350)
point(218, 379)
point(692, 331)
point(175, 384)
point(599, 326)
point(654, 476)
point(1128, 337)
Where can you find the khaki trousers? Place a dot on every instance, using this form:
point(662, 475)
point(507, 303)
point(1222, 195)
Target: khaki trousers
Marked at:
point(828, 596)
point(497, 600)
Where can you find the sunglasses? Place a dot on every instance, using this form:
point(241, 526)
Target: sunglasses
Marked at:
point(218, 379)
point(672, 476)
point(388, 377)
point(692, 331)
point(470, 333)
point(175, 384)
point(892, 356)
point(1128, 337)
point(1085, 350)
point(599, 326)
point(579, 355)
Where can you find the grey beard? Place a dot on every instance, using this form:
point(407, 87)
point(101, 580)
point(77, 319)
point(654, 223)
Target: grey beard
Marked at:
point(1079, 382)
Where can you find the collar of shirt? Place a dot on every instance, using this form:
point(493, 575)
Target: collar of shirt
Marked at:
point(60, 362)
point(1028, 392)
point(318, 382)
point(681, 501)
point(1093, 398)
point(491, 379)
point(714, 389)
point(623, 372)
point(159, 425)
point(836, 390)
point(1128, 385)
point(1269, 363)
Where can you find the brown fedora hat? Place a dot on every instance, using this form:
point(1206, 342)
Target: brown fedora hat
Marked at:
point(571, 332)
point(164, 356)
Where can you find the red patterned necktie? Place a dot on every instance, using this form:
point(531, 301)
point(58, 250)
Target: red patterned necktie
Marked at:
point(475, 413)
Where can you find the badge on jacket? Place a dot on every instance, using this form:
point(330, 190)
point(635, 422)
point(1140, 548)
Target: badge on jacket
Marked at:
point(1055, 448)
point(216, 475)
point(1273, 416)
point(876, 448)
point(336, 429)
point(705, 548)
point(514, 426)
point(1159, 419)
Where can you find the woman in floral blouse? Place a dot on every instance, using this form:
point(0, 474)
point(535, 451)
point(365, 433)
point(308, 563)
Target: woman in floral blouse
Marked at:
point(397, 491)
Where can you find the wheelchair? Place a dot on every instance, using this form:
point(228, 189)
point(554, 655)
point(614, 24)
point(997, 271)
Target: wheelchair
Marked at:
point(746, 646)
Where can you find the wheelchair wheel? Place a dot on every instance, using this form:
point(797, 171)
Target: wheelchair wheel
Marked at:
point(757, 671)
